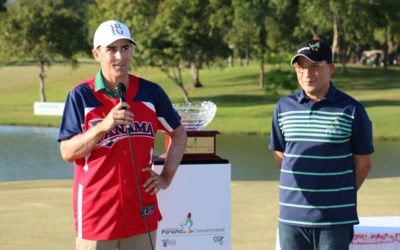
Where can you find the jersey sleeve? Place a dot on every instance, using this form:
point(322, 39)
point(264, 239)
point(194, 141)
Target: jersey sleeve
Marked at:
point(277, 141)
point(73, 117)
point(167, 116)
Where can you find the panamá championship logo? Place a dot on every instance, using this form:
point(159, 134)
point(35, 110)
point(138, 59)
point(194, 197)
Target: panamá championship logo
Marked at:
point(215, 235)
point(315, 47)
point(187, 226)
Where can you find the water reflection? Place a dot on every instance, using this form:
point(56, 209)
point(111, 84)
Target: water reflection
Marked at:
point(28, 153)
point(249, 155)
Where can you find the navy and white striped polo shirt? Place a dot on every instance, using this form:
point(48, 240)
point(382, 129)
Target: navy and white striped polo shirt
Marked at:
point(317, 181)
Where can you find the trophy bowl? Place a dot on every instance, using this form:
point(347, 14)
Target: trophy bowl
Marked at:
point(196, 115)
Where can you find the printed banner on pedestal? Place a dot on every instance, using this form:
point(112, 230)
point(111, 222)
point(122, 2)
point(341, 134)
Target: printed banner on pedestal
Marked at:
point(196, 208)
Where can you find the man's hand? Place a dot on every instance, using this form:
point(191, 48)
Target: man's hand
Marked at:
point(278, 155)
point(119, 115)
point(155, 182)
point(82, 144)
point(174, 155)
point(363, 165)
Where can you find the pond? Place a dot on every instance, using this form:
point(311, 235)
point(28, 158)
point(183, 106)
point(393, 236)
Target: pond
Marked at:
point(30, 153)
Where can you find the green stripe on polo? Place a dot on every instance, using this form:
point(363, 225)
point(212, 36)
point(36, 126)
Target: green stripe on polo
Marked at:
point(315, 112)
point(287, 127)
point(317, 140)
point(314, 117)
point(317, 174)
point(309, 122)
point(318, 156)
point(316, 190)
point(317, 207)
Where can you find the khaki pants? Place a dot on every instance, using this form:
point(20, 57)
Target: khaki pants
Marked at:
point(136, 242)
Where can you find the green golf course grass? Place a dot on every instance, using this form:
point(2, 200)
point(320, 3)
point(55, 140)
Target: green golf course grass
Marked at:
point(242, 106)
point(38, 214)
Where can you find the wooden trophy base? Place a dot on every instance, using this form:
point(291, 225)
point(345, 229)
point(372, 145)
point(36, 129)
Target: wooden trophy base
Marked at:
point(200, 147)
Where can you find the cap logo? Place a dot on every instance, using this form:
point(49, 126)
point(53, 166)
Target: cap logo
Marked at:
point(314, 47)
point(117, 29)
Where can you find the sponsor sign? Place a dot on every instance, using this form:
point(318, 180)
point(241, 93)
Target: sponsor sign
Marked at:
point(196, 208)
point(48, 108)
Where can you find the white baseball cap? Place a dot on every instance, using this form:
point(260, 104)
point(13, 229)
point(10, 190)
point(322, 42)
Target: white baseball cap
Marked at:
point(109, 32)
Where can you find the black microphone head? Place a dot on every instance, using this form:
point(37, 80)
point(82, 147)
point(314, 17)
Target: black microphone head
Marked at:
point(120, 90)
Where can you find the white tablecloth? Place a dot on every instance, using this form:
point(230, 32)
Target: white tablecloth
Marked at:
point(381, 233)
point(373, 233)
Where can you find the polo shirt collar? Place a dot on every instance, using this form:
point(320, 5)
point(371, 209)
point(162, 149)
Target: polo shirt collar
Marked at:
point(330, 96)
point(99, 84)
point(302, 97)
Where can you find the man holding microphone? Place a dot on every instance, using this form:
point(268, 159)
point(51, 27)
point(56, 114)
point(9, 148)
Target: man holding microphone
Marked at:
point(97, 132)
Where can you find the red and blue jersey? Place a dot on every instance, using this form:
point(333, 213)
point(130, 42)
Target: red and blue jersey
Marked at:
point(105, 197)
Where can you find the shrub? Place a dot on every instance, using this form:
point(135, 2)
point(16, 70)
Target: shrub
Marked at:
point(279, 79)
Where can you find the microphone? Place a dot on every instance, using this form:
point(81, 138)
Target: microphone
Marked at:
point(121, 91)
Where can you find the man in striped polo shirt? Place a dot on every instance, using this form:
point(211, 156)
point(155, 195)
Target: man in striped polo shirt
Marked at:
point(322, 142)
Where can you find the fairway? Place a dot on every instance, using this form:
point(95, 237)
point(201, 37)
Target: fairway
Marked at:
point(242, 107)
point(38, 214)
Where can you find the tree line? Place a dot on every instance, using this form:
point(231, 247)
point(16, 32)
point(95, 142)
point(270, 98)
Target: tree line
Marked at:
point(177, 34)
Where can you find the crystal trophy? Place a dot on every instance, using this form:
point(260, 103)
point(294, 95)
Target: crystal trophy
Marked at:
point(201, 143)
